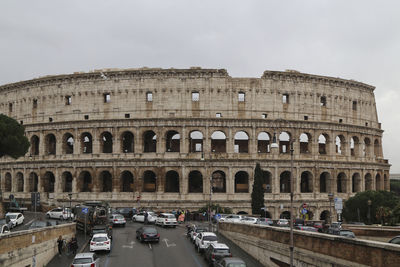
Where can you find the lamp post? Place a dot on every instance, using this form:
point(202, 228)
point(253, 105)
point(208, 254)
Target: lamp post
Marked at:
point(330, 196)
point(70, 206)
point(291, 204)
point(369, 211)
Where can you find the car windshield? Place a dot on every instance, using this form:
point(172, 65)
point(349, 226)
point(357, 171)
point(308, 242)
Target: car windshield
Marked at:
point(39, 224)
point(97, 231)
point(151, 213)
point(200, 230)
point(119, 217)
point(150, 230)
point(82, 260)
point(12, 216)
point(210, 238)
point(347, 233)
point(100, 239)
point(171, 216)
point(221, 250)
point(236, 264)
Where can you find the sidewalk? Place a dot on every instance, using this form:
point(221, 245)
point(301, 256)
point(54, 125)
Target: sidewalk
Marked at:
point(64, 259)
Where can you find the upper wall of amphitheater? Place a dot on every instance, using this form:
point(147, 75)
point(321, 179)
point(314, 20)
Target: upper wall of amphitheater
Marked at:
point(189, 93)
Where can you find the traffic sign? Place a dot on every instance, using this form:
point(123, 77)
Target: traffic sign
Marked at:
point(85, 210)
point(35, 199)
point(338, 203)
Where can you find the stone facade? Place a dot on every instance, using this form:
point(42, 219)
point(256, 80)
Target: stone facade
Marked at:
point(164, 136)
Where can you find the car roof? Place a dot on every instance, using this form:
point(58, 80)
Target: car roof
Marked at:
point(233, 259)
point(208, 233)
point(100, 235)
point(219, 245)
point(165, 213)
point(13, 213)
point(84, 255)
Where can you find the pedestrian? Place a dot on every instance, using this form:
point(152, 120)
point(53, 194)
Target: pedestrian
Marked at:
point(74, 244)
point(60, 243)
point(145, 217)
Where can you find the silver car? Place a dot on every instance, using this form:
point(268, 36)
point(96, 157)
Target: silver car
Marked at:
point(117, 219)
point(86, 260)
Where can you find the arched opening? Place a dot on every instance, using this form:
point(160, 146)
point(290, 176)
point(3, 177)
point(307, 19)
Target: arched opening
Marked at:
point(85, 183)
point(306, 182)
point(34, 145)
point(341, 183)
point(356, 182)
point(149, 142)
point(324, 184)
point(149, 181)
point(127, 181)
point(241, 142)
point(218, 142)
point(386, 185)
point(105, 181)
point(127, 142)
point(241, 182)
point(339, 141)
point(86, 143)
point(172, 182)
point(67, 182)
point(106, 142)
point(267, 214)
point(20, 182)
point(367, 147)
point(48, 182)
point(195, 182)
point(285, 182)
point(7, 182)
point(33, 182)
point(50, 144)
point(172, 141)
point(263, 142)
point(377, 148)
point(285, 215)
point(267, 185)
point(68, 144)
point(218, 182)
point(322, 144)
point(368, 182)
point(324, 216)
point(195, 141)
point(305, 143)
point(354, 146)
point(378, 182)
point(284, 142)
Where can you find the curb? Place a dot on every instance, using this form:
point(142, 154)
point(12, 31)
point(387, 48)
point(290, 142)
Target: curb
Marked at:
point(84, 246)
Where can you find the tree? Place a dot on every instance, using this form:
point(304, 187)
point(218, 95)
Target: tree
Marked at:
point(257, 195)
point(13, 142)
point(395, 186)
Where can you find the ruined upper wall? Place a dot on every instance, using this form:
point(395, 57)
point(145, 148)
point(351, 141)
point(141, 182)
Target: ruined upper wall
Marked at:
point(44, 99)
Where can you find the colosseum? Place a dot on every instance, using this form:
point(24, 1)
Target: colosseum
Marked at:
point(178, 138)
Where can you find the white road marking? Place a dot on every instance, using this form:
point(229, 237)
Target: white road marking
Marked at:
point(31, 221)
point(129, 246)
point(168, 245)
point(149, 245)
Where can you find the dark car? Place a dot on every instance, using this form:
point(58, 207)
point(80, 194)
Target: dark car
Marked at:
point(102, 229)
point(347, 233)
point(228, 262)
point(126, 212)
point(39, 224)
point(265, 221)
point(147, 234)
point(395, 240)
point(216, 251)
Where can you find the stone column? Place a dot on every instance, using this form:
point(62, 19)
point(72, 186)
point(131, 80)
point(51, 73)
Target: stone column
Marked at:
point(184, 147)
point(230, 182)
point(58, 182)
point(117, 148)
point(42, 142)
point(74, 180)
point(138, 141)
point(77, 143)
point(26, 181)
point(96, 142)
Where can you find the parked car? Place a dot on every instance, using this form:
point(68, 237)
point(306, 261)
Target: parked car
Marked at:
point(16, 218)
point(233, 218)
point(395, 240)
point(306, 228)
point(102, 229)
point(228, 262)
point(139, 217)
point(347, 233)
point(41, 224)
point(100, 242)
point(126, 212)
point(203, 240)
point(334, 228)
point(249, 220)
point(117, 219)
point(282, 222)
point(166, 219)
point(219, 218)
point(147, 233)
point(189, 229)
point(197, 231)
point(60, 213)
point(4, 229)
point(265, 221)
point(7, 222)
point(216, 251)
point(86, 260)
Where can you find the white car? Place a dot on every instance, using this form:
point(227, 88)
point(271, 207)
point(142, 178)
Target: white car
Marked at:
point(4, 229)
point(139, 217)
point(204, 239)
point(60, 213)
point(117, 219)
point(86, 260)
point(282, 222)
point(15, 217)
point(249, 220)
point(166, 219)
point(233, 218)
point(100, 242)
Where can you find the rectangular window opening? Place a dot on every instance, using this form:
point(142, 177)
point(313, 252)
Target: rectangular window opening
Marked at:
point(285, 98)
point(306, 118)
point(127, 115)
point(323, 101)
point(241, 97)
point(366, 124)
point(10, 107)
point(50, 119)
point(264, 115)
point(34, 105)
point(68, 100)
point(354, 105)
point(195, 96)
point(218, 115)
point(21, 122)
point(198, 148)
point(149, 97)
point(107, 98)
point(340, 120)
point(86, 117)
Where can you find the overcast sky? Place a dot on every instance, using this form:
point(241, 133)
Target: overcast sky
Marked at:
point(357, 40)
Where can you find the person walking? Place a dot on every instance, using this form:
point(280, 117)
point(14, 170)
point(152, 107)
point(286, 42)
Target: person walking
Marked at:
point(74, 245)
point(145, 217)
point(60, 243)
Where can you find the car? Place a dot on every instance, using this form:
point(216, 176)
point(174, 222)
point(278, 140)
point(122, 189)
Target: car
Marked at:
point(102, 229)
point(166, 219)
point(100, 242)
point(395, 240)
point(189, 229)
point(248, 220)
point(334, 228)
point(306, 228)
point(139, 217)
point(147, 234)
point(7, 222)
point(60, 213)
point(228, 262)
point(86, 260)
point(16, 218)
point(117, 219)
point(265, 221)
point(41, 224)
point(219, 218)
point(347, 233)
point(195, 232)
point(126, 212)
point(282, 223)
point(203, 240)
point(4, 229)
point(216, 251)
point(233, 218)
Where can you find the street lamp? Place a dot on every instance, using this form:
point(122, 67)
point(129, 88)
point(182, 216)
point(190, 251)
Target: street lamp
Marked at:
point(369, 211)
point(330, 196)
point(291, 204)
point(70, 206)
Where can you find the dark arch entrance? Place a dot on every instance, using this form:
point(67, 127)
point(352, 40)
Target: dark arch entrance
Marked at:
point(85, 182)
point(285, 215)
point(105, 181)
point(218, 182)
point(172, 182)
point(48, 182)
point(241, 182)
point(149, 181)
point(324, 216)
point(195, 182)
point(285, 182)
point(127, 181)
point(67, 182)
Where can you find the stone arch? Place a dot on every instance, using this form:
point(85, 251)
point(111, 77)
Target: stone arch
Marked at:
point(325, 215)
point(105, 181)
point(172, 141)
point(172, 182)
point(356, 182)
point(196, 141)
point(241, 142)
point(368, 181)
point(149, 142)
point(341, 182)
point(127, 142)
point(33, 182)
point(68, 143)
point(7, 182)
point(354, 146)
point(85, 182)
point(48, 182)
point(241, 182)
point(50, 144)
point(285, 215)
point(127, 181)
point(367, 147)
point(267, 181)
point(106, 142)
point(284, 142)
point(306, 183)
point(66, 181)
point(324, 182)
point(149, 181)
point(323, 147)
point(305, 140)
point(20, 182)
point(340, 144)
point(35, 145)
point(195, 182)
point(378, 186)
point(377, 148)
point(86, 143)
point(263, 142)
point(218, 182)
point(284, 182)
point(218, 142)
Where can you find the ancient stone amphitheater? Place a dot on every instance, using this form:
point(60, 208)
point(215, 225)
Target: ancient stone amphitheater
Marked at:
point(166, 138)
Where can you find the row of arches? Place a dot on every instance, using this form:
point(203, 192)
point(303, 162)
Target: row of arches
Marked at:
point(196, 142)
point(126, 182)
